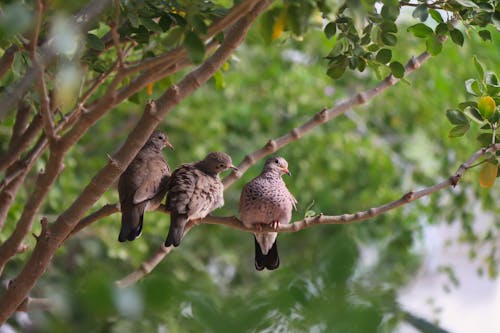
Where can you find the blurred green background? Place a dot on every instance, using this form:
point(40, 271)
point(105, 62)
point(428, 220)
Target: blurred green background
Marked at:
point(332, 278)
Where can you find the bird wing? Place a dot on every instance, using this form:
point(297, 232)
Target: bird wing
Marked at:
point(181, 187)
point(155, 170)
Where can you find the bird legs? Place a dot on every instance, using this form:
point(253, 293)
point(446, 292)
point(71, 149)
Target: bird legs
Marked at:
point(274, 224)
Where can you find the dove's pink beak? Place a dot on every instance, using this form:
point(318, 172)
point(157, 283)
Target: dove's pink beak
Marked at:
point(285, 170)
point(233, 167)
point(169, 145)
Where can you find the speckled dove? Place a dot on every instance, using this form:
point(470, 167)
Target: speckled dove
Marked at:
point(194, 190)
point(265, 200)
point(142, 185)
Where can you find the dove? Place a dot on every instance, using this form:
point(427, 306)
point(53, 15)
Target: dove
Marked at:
point(194, 190)
point(265, 200)
point(142, 185)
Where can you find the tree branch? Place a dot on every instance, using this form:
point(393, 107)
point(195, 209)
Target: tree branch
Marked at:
point(65, 223)
point(36, 31)
point(10, 185)
point(234, 222)
point(320, 118)
point(20, 145)
point(7, 59)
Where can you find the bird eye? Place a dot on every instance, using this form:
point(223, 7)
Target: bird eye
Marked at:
point(276, 161)
point(221, 165)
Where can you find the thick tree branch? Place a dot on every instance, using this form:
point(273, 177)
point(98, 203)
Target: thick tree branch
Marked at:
point(65, 223)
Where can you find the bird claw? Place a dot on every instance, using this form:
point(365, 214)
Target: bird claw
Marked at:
point(275, 225)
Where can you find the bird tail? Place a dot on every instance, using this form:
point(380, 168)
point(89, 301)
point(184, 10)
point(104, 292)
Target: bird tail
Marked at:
point(177, 224)
point(271, 260)
point(131, 228)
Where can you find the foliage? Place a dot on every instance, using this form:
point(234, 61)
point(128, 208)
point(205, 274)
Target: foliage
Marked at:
point(300, 57)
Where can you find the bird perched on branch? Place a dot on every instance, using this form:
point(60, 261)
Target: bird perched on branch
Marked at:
point(266, 201)
point(194, 190)
point(143, 185)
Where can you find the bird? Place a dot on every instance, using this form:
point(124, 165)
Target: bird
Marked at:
point(266, 200)
point(193, 191)
point(142, 185)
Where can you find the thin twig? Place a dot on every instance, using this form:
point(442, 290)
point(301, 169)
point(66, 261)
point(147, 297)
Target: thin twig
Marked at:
point(115, 34)
point(48, 124)
point(320, 118)
point(39, 8)
point(7, 59)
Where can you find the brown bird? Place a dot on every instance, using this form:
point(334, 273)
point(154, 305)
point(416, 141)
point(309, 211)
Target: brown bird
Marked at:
point(194, 190)
point(265, 200)
point(143, 185)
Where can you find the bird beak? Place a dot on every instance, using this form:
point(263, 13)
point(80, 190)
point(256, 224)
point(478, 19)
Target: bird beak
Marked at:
point(285, 170)
point(169, 145)
point(233, 167)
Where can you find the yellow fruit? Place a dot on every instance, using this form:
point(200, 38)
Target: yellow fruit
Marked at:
point(279, 25)
point(486, 106)
point(149, 89)
point(488, 174)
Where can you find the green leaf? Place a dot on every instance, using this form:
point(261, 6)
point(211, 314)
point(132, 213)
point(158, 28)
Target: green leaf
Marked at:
point(456, 117)
point(165, 22)
point(133, 19)
point(388, 26)
point(389, 39)
point(383, 56)
point(474, 112)
point(198, 23)
point(195, 47)
point(337, 67)
point(434, 45)
point(467, 3)
point(462, 106)
point(220, 83)
point(94, 42)
point(441, 29)
point(390, 12)
point(174, 36)
point(397, 69)
point(421, 12)
point(479, 67)
point(435, 15)
point(420, 30)
point(330, 30)
point(151, 25)
point(484, 139)
point(457, 37)
point(473, 87)
point(485, 35)
point(458, 130)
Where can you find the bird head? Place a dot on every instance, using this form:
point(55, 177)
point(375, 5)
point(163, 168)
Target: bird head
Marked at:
point(160, 140)
point(217, 162)
point(277, 164)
